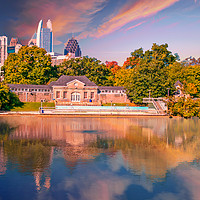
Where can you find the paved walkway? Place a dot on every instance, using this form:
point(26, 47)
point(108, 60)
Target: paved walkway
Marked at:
point(84, 113)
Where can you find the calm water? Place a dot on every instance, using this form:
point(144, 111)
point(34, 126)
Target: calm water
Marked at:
point(99, 158)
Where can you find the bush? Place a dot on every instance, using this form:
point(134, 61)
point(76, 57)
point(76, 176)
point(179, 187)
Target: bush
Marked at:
point(8, 99)
point(186, 108)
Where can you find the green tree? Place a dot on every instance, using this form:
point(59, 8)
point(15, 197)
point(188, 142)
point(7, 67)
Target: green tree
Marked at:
point(150, 72)
point(8, 99)
point(191, 76)
point(90, 67)
point(30, 65)
point(184, 107)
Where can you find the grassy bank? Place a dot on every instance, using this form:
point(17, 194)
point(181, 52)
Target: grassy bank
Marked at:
point(32, 106)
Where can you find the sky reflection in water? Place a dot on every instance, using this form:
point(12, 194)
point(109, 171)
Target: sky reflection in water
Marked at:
point(99, 158)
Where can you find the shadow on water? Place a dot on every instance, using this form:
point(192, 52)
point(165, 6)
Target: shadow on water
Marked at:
point(5, 128)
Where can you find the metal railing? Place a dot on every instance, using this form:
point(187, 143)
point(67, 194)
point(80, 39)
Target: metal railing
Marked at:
point(157, 103)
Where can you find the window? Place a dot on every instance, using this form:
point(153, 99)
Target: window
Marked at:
point(85, 95)
point(25, 89)
point(92, 95)
point(57, 94)
point(35, 90)
point(38, 90)
point(75, 97)
point(64, 94)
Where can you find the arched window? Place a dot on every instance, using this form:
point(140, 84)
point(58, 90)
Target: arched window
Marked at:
point(75, 97)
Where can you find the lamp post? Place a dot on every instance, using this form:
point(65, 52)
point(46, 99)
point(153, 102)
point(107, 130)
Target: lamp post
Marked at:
point(41, 103)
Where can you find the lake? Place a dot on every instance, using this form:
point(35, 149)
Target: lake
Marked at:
point(99, 158)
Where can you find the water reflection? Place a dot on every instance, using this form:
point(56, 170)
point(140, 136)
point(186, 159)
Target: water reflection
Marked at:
point(146, 147)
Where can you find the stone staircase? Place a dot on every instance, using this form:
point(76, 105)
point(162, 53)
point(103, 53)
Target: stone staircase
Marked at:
point(158, 104)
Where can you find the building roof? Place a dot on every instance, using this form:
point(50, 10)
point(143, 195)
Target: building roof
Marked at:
point(110, 88)
point(63, 80)
point(29, 86)
point(178, 83)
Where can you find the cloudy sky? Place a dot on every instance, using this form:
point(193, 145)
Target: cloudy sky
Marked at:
point(108, 29)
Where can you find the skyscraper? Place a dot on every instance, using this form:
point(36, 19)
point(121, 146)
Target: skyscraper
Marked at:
point(44, 37)
point(72, 48)
point(3, 50)
point(14, 46)
point(14, 41)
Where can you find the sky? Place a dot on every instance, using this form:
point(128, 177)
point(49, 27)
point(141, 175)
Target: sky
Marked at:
point(108, 30)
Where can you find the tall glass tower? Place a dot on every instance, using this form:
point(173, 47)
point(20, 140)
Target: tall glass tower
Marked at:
point(72, 48)
point(45, 36)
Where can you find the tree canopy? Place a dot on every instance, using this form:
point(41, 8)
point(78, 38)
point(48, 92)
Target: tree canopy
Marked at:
point(90, 67)
point(158, 52)
point(30, 65)
point(146, 72)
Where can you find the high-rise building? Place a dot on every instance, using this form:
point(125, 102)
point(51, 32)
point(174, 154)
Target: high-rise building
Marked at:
point(13, 41)
point(44, 36)
point(72, 48)
point(14, 46)
point(3, 50)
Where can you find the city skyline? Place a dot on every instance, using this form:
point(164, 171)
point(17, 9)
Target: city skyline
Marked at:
point(108, 29)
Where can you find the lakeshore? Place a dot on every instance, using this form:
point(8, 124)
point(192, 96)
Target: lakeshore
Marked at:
point(80, 113)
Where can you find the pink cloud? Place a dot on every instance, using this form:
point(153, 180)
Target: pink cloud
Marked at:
point(135, 25)
point(132, 11)
point(70, 17)
point(66, 16)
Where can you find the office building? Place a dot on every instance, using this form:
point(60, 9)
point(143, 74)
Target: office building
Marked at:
point(14, 41)
point(44, 36)
point(14, 46)
point(3, 50)
point(72, 48)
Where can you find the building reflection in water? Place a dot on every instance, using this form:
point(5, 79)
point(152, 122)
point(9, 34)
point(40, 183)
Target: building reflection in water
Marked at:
point(147, 145)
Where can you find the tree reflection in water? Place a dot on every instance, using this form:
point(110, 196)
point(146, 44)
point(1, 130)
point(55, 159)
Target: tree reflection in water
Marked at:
point(147, 145)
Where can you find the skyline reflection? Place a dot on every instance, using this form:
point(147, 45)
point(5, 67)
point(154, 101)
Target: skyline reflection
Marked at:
point(144, 146)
